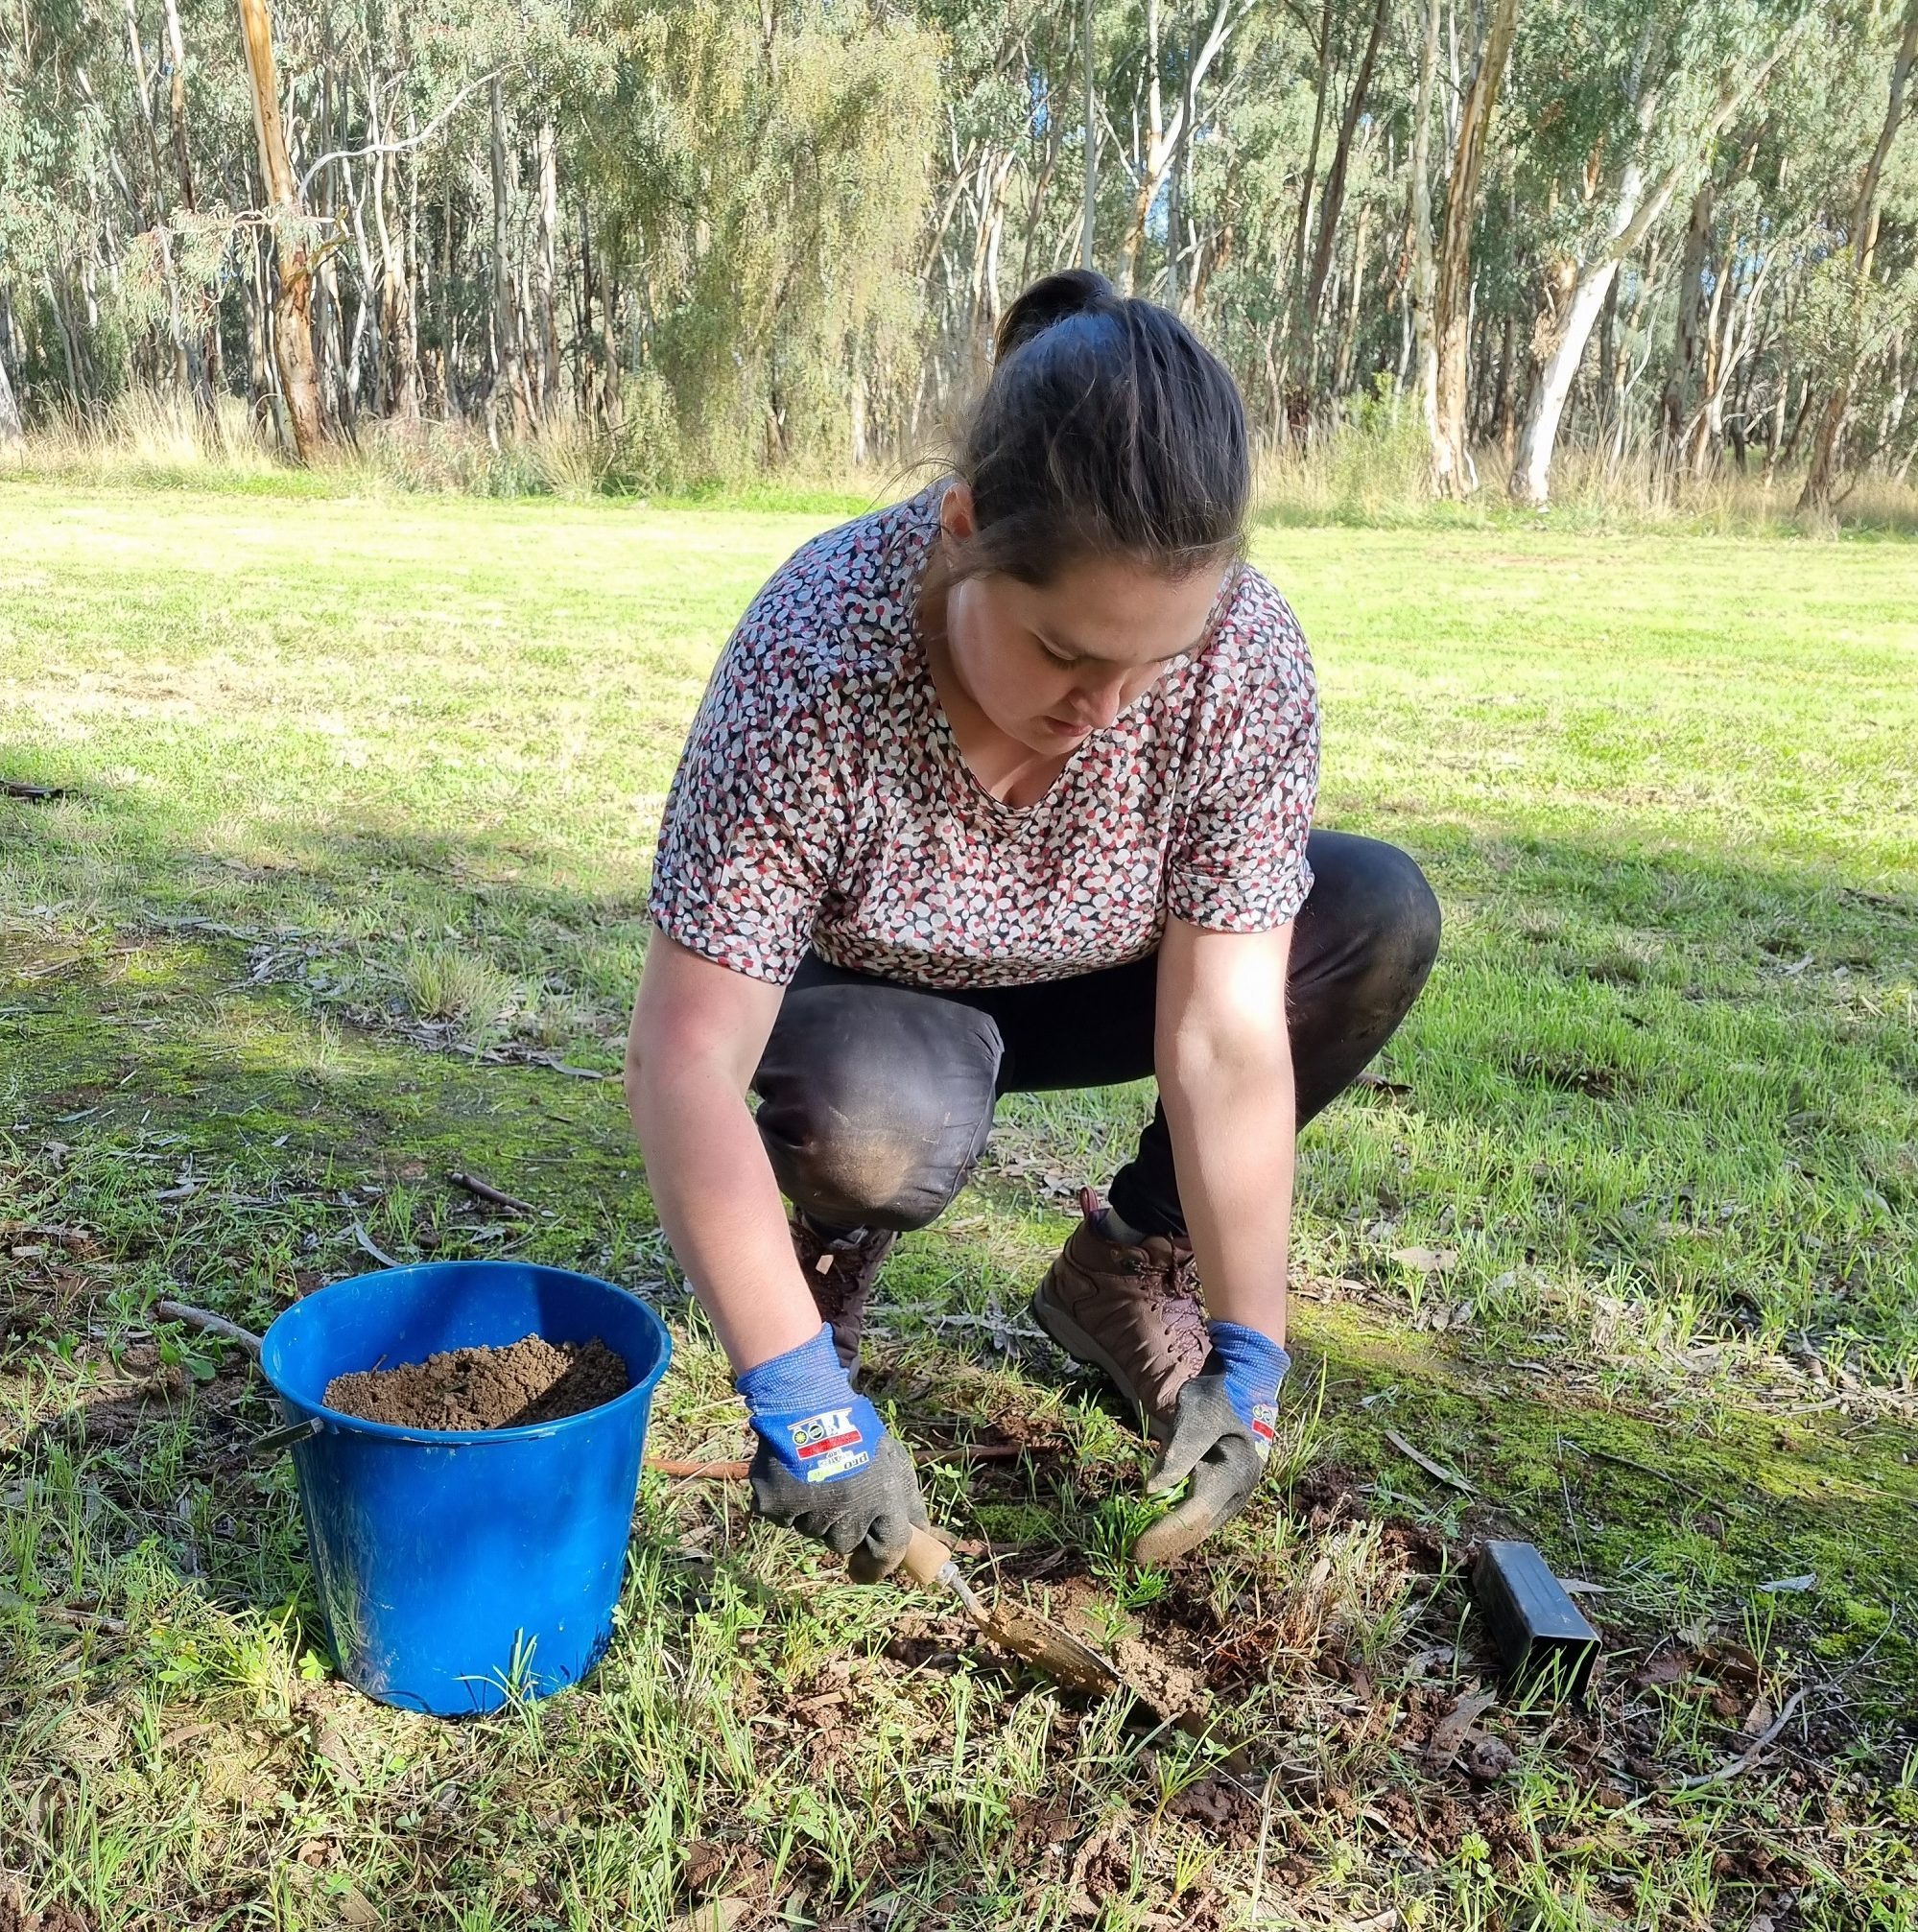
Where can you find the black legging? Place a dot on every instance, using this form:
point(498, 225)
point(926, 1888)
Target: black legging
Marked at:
point(876, 1099)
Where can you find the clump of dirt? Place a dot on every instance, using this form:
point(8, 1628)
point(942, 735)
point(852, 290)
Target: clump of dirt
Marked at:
point(1173, 1690)
point(530, 1381)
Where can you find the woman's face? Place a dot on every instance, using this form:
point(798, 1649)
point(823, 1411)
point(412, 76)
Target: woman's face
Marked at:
point(1049, 666)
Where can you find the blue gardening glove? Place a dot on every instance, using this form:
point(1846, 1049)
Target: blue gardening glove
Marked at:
point(825, 1465)
point(1222, 1435)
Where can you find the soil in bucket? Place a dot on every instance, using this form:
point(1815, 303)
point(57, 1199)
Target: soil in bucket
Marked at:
point(530, 1381)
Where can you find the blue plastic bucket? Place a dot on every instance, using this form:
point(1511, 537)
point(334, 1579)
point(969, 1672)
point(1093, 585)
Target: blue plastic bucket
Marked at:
point(452, 1563)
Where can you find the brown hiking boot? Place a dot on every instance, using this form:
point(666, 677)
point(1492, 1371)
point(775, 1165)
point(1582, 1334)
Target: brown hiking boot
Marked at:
point(841, 1275)
point(1129, 1310)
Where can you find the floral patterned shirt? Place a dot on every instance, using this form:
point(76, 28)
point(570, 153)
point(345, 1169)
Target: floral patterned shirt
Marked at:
point(821, 801)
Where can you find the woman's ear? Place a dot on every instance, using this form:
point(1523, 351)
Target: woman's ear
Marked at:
point(955, 510)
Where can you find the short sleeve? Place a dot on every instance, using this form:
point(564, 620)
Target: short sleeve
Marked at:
point(754, 823)
point(1237, 859)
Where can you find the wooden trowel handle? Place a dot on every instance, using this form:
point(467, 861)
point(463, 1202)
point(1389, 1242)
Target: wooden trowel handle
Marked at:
point(924, 1559)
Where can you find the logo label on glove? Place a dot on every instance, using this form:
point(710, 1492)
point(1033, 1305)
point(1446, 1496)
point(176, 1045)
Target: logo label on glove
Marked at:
point(1265, 1417)
point(828, 1445)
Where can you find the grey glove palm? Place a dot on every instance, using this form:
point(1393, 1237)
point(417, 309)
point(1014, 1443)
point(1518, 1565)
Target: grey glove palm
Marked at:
point(867, 1517)
point(1213, 1445)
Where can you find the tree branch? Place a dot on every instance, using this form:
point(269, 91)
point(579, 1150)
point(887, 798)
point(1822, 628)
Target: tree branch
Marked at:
point(426, 133)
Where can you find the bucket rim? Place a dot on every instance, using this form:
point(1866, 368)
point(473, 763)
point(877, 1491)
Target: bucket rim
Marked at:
point(641, 1391)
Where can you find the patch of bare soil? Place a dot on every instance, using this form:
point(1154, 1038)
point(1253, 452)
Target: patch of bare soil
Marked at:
point(530, 1381)
point(16, 1918)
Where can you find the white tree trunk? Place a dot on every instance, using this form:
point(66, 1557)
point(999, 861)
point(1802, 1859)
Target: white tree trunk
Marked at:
point(11, 432)
point(545, 272)
point(1420, 334)
point(1532, 467)
point(1636, 206)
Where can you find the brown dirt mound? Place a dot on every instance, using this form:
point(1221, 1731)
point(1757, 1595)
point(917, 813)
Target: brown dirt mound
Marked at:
point(530, 1380)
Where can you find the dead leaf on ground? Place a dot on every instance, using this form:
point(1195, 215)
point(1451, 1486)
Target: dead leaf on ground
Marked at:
point(704, 1862)
point(1448, 1476)
point(1666, 1666)
point(1759, 1718)
point(717, 1914)
point(356, 1908)
point(1377, 1083)
point(1426, 1260)
point(337, 1752)
point(1448, 1733)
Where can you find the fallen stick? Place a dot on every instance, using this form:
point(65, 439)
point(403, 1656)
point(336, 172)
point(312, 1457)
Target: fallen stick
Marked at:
point(717, 1472)
point(1737, 1766)
point(213, 1325)
point(484, 1191)
point(84, 1620)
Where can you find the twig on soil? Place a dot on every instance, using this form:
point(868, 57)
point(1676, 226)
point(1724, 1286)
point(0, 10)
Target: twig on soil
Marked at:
point(379, 1254)
point(1737, 1766)
point(1450, 1477)
point(211, 1324)
point(84, 1620)
point(738, 1471)
point(484, 1191)
point(716, 1472)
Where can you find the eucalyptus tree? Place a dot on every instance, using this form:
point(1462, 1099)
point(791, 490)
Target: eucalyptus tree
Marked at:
point(1870, 311)
point(770, 169)
point(727, 238)
point(1626, 99)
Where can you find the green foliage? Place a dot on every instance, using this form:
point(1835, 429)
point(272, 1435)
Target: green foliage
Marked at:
point(769, 170)
point(780, 237)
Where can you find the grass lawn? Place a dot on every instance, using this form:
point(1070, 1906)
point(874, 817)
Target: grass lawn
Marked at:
point(344, 893)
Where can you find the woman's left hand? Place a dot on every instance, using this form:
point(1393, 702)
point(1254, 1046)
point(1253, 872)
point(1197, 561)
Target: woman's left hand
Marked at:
point(1223, 1432)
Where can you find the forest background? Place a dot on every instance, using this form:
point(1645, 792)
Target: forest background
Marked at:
point(1650, 249)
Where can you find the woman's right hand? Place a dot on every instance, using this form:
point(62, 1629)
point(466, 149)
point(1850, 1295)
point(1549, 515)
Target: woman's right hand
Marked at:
point(867, 1517)
point(825, 1465)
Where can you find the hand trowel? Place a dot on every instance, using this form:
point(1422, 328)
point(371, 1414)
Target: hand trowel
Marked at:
point(1014, 1627)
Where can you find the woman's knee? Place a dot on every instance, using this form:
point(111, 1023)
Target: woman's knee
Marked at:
point(876, 1103)
point(1373, 910)
point(1405, 917)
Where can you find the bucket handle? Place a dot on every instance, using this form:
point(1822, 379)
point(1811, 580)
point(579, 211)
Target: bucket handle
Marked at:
point(280, 1439)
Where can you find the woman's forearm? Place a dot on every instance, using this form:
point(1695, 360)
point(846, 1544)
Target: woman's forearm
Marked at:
point(1233, 1122)
point(720, 1208)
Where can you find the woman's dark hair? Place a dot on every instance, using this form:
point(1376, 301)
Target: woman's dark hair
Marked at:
point(1108, 428)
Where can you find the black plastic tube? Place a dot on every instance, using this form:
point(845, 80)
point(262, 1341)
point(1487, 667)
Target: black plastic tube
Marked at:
point(1541, 1636)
